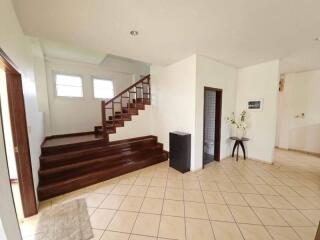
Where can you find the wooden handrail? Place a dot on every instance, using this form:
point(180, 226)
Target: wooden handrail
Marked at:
point(126, 90)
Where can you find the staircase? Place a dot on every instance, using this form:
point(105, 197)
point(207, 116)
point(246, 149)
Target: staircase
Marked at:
point(71, 166)
point(120, 108)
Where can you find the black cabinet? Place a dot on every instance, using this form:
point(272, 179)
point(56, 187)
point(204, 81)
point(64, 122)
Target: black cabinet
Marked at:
point(180, 151)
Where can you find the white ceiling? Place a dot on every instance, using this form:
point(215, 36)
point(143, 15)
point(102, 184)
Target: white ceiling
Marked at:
point(237, 32)
point(71, 52)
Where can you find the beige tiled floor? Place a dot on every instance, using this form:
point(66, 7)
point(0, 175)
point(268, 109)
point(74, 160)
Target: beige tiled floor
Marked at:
point(225, 201)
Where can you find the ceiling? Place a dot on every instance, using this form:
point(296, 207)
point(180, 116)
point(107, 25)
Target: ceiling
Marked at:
point(237, 32)
point(71, 52)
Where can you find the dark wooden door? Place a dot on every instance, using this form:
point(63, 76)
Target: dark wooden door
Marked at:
point(217, 133)
point(20, 137)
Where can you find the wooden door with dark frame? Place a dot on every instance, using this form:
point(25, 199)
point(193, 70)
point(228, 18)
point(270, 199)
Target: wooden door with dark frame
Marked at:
point(217, 131)
point(19, 135)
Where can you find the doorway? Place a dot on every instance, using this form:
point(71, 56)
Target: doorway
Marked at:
point(22, 183)
point(211, 124)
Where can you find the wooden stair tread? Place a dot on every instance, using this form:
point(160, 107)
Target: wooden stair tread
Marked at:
point(51, 190)
point(124, 153)
point(76, 169)
point(83, 176)
point(64, 163)
point(105, 146)
point(69, 147)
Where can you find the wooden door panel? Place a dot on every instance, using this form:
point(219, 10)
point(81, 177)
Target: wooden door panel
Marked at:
point(19, 135)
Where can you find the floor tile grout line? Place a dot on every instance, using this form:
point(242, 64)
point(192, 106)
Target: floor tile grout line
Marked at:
point(292, 227)
point(116, 211)
point(233, 182)
point(234, 217)
point(211, 227)
point(140, 208)
point(295, 208)
point(162, 207)
point(286, 221)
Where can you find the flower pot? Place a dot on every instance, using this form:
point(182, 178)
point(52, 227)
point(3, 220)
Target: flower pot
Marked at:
point(239, 133)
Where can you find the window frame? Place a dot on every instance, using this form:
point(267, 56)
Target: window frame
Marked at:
point(72, 75)
point(103, 79)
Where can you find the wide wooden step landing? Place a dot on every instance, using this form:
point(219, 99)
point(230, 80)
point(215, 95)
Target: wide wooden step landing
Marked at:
point(69, 167)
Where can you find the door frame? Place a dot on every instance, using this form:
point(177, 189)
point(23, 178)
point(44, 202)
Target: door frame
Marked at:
point(20, 135)
point(217, 133)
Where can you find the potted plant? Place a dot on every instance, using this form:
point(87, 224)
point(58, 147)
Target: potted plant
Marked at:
point(239, 126)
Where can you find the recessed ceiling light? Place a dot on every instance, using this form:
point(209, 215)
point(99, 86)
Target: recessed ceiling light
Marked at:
point(134, 33)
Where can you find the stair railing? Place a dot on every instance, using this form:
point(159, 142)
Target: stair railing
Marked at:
point(117, 109)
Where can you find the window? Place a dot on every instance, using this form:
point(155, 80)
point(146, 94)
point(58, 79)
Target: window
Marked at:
point(68, 86)
point(103, 88)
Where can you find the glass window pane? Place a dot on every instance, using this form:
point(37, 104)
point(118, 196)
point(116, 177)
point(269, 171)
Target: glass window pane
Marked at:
point(69, 86)
point(68, 80)
point(69, 91)
point(103, 88)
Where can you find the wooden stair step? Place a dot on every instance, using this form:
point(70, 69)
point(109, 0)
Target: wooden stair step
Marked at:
point(140, 100)
point(72, 170)
point(78, 157)
point(140, 106)
point(82, 154)
point(124, 110)
point(120, 116)
point(114, 123)
point(51, 190)
point(110, 129)
point(133, 110)
point(70, 147)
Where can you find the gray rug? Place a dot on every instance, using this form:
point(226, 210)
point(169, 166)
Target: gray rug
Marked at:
point(69, 221)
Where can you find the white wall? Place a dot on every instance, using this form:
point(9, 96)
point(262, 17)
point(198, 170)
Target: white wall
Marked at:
point(216, 75)
point(300, 95)
point(256, 82)
point(177, 104)
point(140, 125)
point(71, 115)
point(18, 48)
point(177, 101)
point(173, 101)
point(8, 216)
point(41, 83)
point(282, 136)
point(7, 126)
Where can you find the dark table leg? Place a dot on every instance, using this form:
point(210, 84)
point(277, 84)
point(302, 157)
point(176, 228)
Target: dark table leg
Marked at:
point(243, 149)
point(234, 147)
point(318, 233)
point(238, 151)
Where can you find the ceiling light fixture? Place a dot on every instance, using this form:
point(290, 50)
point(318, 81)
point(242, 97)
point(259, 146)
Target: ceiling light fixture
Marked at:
point(134, 33)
